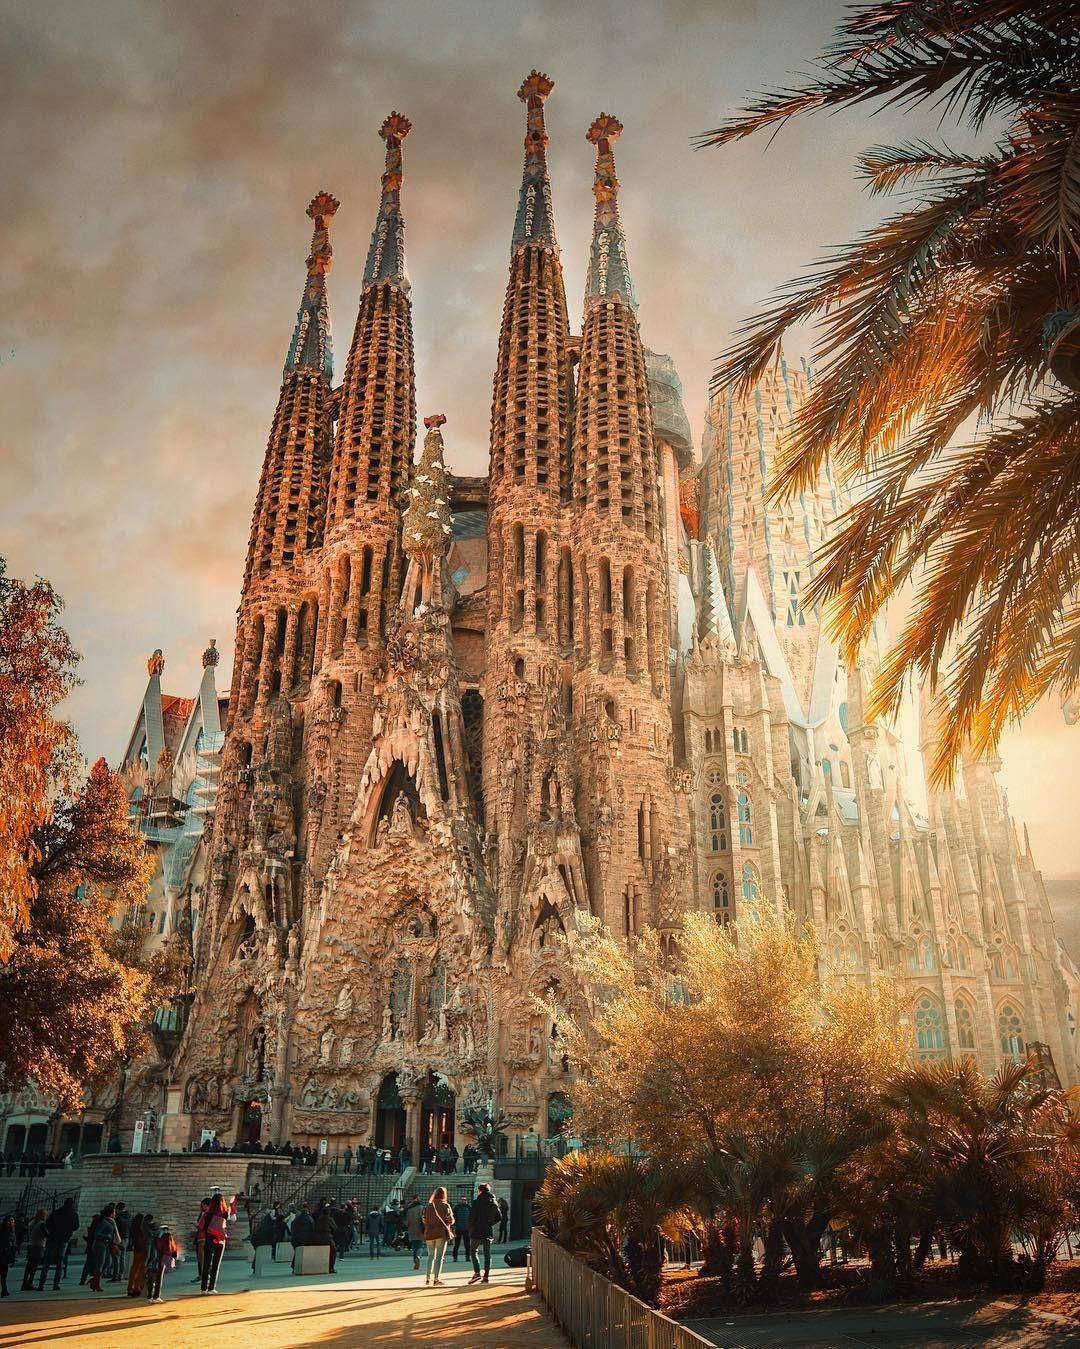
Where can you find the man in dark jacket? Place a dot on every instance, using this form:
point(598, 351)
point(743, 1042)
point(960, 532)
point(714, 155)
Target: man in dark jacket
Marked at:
point(326, 1233)
point(60, 1226)
point(484, 1217)
point(302, 1230)
point(504, 1218)
point(462, 1213)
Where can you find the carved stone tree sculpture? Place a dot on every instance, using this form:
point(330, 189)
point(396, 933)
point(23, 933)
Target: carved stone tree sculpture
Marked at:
point(486, 1123)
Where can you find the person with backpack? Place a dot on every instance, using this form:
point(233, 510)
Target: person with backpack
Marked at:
point(215, 1233)
point(414, 1226)
point(106, 1245)
point(484, 1216)
point(60, 1227)
point(35, 1248)
point(161, 1258)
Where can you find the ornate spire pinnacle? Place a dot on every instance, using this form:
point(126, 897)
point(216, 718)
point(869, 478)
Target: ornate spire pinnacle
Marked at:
point(311, 347)
point(609, 270)
point(535, 220)
point(211, 655)
point(386, 255)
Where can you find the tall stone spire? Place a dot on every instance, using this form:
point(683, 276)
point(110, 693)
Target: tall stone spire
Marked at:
point(535, 220)
point(615, 472)
point(291, 502)
point(311, 347)
point(377, 417)
point(609, 270)
point(386, 253)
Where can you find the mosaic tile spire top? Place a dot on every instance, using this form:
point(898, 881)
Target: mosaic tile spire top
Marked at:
point(535, 220)
point(311, 347)
point(386, 255)
point(609, 269)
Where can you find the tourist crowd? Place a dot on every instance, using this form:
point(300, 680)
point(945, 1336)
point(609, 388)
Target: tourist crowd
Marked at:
point(139, 1250)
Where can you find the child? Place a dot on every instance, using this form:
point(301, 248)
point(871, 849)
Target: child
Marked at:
point(161, 1257)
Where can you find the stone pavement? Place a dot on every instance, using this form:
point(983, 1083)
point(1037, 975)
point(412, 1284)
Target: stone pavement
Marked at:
point(367, 1302)
point(931, 1325)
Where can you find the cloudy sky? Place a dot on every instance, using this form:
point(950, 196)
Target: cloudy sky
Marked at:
point(157, 158)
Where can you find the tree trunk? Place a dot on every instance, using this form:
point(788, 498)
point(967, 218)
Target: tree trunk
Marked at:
point(805, 1247)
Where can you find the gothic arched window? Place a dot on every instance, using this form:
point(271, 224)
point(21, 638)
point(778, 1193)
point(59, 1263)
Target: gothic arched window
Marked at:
point(751, 886)
point(965, 1026)
point(746, 833)
point(929, 1029)
point(718, 839)
point(721, 898)
point(1011, 1033)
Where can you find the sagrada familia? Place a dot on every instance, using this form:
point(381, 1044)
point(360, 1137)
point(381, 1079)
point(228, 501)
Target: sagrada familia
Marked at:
point(466, 710)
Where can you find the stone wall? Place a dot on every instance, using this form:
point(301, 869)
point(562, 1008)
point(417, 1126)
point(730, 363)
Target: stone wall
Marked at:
point(169, 1187)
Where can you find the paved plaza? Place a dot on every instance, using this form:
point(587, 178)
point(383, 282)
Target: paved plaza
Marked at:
point(380, 1302)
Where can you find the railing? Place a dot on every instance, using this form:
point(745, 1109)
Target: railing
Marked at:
point(35, 1196)
point(595, 1313)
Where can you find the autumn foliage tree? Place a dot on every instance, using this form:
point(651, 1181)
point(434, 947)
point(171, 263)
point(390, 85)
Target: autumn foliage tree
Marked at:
point(74, 995)
point(37, 751)
point(733, 1060)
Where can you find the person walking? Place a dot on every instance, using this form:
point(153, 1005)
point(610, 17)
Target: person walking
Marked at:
point(504, 1218)
point(438, 1230)
point(7, 1252)
point(161, 1258)
point(404, 1157)
point(461, 1227)
point(106, 1245)
point(374, 1233)
point(35, 1248)
point(215, 1225)
point(87, 1268)
point(484, 1215)
point(60, 1227)
point(414, 1227)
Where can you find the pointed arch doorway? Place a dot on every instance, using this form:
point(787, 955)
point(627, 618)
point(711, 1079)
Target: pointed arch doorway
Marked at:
point(389, 1115)
point(437, 1112)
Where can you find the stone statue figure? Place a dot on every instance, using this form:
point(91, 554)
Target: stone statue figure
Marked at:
point(255, 1063)
point(326, 1045)
point(401, 821)
point(310, 1099)
point(387, 1024)
point(344, 1000)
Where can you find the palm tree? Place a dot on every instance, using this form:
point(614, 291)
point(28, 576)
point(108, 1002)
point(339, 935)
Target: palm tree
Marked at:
point(610, 1208)
point(981, 1155)
point(964, 306)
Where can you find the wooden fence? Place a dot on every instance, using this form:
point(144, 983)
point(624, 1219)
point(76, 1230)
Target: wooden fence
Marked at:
point(598, 1314)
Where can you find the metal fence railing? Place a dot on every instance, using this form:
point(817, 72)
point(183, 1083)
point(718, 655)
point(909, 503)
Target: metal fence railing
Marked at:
point(595, 1313)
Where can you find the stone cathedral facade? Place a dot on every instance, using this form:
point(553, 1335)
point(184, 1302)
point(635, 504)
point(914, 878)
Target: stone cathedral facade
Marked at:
point(464, 711)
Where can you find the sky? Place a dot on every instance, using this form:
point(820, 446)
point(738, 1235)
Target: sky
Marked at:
point(157, 160)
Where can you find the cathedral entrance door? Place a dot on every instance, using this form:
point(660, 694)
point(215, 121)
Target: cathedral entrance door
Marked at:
point(251, 1122)
point(437, 1114)
point(389, 1115)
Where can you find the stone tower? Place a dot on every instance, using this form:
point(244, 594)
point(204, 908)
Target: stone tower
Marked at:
point(636, 857)
point(278, 617)
point(530, 589)
point(361, 563)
